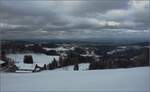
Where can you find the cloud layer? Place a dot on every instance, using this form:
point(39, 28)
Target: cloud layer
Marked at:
point(74, 19)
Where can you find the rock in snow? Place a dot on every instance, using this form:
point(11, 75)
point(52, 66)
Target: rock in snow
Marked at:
point(112, 80)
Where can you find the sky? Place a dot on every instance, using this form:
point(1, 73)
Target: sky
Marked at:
point(74, 19)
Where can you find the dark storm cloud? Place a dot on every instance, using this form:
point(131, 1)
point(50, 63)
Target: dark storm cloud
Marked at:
point(68, 19)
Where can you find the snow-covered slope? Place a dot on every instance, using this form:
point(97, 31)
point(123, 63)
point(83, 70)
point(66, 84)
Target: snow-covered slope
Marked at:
point(112, 80)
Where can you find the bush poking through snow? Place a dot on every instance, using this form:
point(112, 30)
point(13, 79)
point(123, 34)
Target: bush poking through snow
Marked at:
point(76, 67)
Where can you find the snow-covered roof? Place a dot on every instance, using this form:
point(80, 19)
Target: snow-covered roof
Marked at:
point(19, 71)
point(28, 67)
point(25, 66)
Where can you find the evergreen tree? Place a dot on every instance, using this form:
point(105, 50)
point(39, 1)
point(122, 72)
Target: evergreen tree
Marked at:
point(3, 55)
point(92, 66)
point(60, 62)
point(28, 59)
point(52, 65)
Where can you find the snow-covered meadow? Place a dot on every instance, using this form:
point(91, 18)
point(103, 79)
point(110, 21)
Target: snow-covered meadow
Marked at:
point(37, 58)
point(66, 79)
point(42, 59)
point(112, 80)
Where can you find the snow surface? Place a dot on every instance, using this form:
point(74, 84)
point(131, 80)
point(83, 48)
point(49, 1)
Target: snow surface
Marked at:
point(37, 58)
point(112, 80)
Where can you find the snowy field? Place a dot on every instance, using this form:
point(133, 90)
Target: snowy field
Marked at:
point(112, 80)
point(37, 58)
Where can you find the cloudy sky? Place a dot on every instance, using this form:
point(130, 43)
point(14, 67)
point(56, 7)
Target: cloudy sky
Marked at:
point(66, 19)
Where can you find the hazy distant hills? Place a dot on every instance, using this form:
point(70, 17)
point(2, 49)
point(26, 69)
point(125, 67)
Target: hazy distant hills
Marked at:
point(103, 41)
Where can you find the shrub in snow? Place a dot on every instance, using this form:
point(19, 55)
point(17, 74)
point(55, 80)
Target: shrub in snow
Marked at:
point(76, 67)
point(44, 67)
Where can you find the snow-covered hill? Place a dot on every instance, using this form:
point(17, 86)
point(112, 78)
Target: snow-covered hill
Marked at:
point(112, 80)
